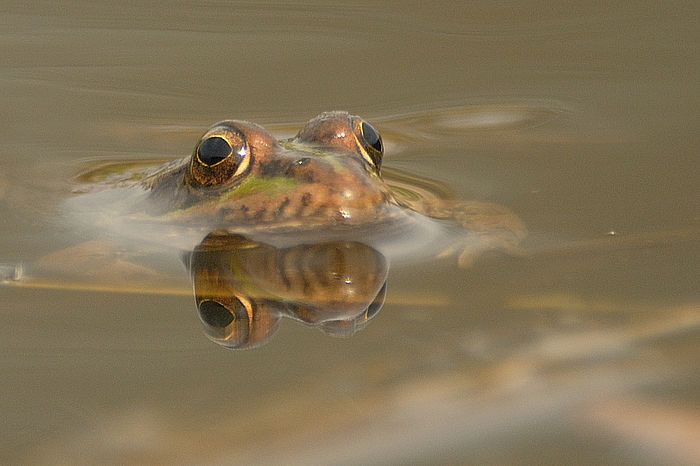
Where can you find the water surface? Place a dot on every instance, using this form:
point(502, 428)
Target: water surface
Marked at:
point(581, 119)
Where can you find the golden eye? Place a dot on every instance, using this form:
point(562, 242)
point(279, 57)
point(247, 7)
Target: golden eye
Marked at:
point(227, 321)
point(215, 314)
point(371, 137)
point(213, 150)
point(371, 142)
point(221, 155)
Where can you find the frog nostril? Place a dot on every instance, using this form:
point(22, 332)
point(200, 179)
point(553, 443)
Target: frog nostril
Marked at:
point(302, 169)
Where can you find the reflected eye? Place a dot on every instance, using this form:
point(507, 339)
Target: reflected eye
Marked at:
point(371, 143)
point(226, 321)
point(376, 304)
point(213, 150)
point(215, 314)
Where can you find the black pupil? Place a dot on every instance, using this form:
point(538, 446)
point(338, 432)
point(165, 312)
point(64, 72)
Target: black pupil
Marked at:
point(213, 150)
point(215, 314)
point(371, 137)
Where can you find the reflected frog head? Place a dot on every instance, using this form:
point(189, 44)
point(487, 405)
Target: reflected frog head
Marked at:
point(244, 288)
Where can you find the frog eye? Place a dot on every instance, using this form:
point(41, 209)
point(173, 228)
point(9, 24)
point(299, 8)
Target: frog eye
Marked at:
point(213, 150)
point(371, 137)
point(371, 142)
point(221, 155)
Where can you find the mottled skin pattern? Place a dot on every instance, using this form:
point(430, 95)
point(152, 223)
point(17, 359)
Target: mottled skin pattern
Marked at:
point(325, 175)
point(243, 288)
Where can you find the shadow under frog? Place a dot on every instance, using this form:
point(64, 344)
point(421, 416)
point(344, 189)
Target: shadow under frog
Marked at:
point(243, 288)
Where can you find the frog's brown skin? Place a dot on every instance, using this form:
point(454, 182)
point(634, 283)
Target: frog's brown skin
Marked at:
point(329, 174)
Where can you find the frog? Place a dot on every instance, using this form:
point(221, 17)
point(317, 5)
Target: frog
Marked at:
point(325, 183)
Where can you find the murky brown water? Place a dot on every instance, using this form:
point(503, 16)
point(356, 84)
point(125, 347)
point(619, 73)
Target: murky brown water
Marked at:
point(581, 119)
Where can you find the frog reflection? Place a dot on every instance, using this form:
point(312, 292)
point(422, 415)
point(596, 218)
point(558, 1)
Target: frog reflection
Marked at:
point(243, 288)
